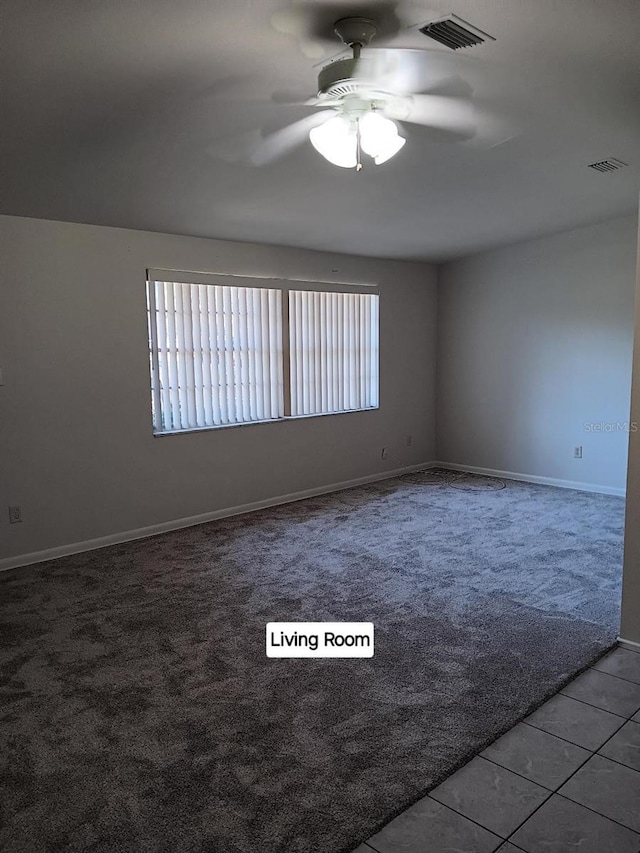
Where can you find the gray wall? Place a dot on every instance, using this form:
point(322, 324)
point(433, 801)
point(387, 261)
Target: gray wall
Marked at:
point(630, 627)
point(534, 341)
point(77, 451)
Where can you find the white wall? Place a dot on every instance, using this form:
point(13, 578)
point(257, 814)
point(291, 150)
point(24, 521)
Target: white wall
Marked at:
point(534, 341)
point(78, 454)
point(630, 626)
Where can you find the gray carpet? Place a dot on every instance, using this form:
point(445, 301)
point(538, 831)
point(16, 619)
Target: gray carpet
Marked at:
point(138, 711)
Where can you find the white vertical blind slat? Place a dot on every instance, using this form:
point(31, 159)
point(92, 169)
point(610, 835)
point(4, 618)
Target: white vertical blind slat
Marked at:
point(375, 354)
point(366, 330)
point(298, 320)
point(317, 353)
point(265, 361)
point(255, 354)
point(235, 358)
point(339, 355)
point(242, 353)
point(164, 415)
point(252, 355)
point(293, 338)
point(189, 383)
point(227, 334)
point(218, 357)
point(207, 356)
point(276, 376)
point(173, 420)
point(182, 413)
point(152, 317)
point(353, 300)
point(358, 349)
point(305, 346)
point(334, 352)
point(197, 355)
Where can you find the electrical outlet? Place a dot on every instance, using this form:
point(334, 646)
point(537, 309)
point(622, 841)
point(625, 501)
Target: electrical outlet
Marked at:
point(409, 440)
point(384, 454)
point(577, 451)
point(15, 515)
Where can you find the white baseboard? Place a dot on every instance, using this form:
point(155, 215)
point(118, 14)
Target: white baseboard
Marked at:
point(631, 643)
point(203, 518)
point(532, 478)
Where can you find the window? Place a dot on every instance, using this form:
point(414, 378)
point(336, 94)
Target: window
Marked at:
point(234, 350)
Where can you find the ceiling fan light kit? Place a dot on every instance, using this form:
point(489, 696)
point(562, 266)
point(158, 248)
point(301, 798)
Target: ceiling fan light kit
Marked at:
point(341, 139)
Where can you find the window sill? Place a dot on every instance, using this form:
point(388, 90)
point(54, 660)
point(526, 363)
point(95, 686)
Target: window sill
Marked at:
point(166, 433)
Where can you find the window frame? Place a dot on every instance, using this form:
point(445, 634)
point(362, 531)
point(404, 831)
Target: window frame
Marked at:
point(283, 285)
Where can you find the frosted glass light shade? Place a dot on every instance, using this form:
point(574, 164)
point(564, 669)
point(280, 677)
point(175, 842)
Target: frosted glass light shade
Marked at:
point(379, 137)
point(392, 148)
point(335, 139)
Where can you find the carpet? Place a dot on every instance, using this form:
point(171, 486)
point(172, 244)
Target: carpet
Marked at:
point(138, 711)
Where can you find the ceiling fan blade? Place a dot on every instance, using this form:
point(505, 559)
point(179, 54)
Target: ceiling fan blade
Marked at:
point(437, 111)
point(411, 71)
point(277, 144)
point(284, 96)
point(449, 87)
point(301, 99)
point(454, 119)
point(493, 130)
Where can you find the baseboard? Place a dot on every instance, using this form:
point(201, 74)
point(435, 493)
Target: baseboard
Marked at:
point(203, 518)
point(532, 478)
point(629, 643)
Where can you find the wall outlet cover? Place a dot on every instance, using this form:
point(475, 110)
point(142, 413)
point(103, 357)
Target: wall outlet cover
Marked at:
point(15, 515)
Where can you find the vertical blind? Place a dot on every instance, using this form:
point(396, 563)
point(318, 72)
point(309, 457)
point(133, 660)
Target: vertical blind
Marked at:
point(333, 351)
point(225, 354)
point(216, 355)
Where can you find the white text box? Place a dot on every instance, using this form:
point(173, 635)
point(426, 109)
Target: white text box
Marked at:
point(320, 639)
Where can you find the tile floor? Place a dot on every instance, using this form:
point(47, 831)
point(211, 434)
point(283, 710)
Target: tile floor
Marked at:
point(567, 778)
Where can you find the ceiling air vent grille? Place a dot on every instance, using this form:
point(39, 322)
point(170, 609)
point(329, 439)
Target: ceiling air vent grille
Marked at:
point(455, 33)
point(610, 165)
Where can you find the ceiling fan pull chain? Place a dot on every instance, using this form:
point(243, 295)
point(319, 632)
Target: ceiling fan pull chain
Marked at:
point(358, 149)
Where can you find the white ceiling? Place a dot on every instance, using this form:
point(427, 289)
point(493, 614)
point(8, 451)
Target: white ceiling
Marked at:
point(115, 113)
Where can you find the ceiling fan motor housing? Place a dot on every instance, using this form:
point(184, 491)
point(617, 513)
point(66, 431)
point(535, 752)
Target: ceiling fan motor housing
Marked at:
point(338, 79)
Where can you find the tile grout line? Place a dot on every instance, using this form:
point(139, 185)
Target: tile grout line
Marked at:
point(599, 707)
point(569, 800)
point(626, 648)
point(466, 817)
point(573, 743)
point(444, 806)
point(526, 778)
point(606, 817)
point(619, 677)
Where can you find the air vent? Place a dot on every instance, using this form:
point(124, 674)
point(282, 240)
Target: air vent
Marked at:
point(610, 165)
point(455, 33)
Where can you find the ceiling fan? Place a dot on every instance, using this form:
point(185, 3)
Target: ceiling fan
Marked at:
point(363, 102)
